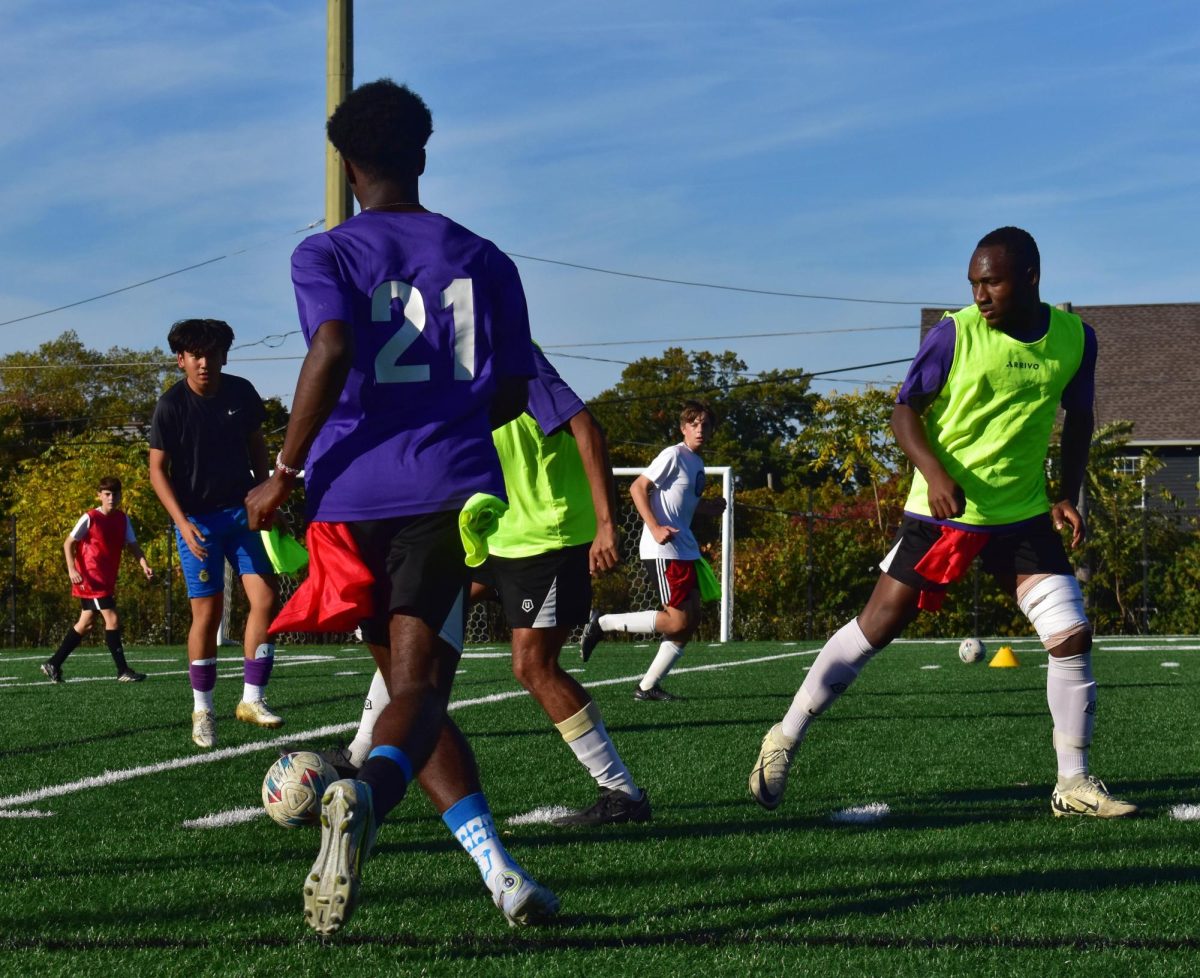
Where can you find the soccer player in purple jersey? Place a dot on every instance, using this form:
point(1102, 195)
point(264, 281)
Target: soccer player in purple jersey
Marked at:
point(557, 531)
point(419, 345)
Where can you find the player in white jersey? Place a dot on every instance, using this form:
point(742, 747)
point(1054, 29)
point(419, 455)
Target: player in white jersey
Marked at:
point(667, 497)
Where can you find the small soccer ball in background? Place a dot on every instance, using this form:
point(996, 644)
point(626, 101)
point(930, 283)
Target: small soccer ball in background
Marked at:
point(292, 789)
point(971, 650)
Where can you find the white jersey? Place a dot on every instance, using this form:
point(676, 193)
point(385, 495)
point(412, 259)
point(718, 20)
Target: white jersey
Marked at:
point(678, 478)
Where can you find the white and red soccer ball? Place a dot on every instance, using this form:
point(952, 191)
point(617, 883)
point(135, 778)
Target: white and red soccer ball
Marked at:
point(292, 789)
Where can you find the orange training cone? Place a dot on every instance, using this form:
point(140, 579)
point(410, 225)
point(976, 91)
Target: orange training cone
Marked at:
point(1004, 658)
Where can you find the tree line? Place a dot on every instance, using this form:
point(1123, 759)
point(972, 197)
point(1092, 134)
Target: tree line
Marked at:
point(820, 486)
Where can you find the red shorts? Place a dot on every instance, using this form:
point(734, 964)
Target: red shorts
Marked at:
point(675, 579)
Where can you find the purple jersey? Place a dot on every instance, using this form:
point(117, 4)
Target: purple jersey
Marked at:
point(439, 318)
point(552, 403)
point(931, 366)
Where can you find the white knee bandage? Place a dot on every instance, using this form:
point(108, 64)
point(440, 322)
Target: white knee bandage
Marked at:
point(1053, 604)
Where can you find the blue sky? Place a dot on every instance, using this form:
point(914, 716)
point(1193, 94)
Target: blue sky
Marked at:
point(853, 149)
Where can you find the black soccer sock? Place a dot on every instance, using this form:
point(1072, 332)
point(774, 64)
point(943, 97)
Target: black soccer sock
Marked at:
point(69, 644)
point(112, 638)
point(387, 781)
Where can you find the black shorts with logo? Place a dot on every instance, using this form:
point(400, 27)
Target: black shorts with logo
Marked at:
point(546, 590)
point(98, 604)
point(418, 565)
point(1031, 547)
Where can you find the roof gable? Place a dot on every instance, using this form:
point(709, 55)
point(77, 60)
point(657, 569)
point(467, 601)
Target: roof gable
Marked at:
point(1148, 371)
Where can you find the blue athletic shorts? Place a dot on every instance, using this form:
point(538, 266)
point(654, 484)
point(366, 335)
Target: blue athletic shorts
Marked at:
point(227, 536)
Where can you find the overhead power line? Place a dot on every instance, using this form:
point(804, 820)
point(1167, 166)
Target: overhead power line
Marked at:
point(148, 281)
point(725, 288)
point(805, 375)
point(512, 254)
point(730, 336)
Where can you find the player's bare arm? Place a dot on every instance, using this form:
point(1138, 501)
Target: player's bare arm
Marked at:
point(256, 446)
point(69, 551)
point(593, 451)
point(322, 377)
point(140, 556)
point(161, 481)
point(640, 493)
point(946, 498)
point(711, 506)
point(1076, 443)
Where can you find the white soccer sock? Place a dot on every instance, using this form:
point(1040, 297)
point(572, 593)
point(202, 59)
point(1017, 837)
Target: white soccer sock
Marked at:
point(593, 748)
point(377, 699)
point(836, 667)
point(202, 699)
point(1071, 695)
point(668, 654)
point(641, 622)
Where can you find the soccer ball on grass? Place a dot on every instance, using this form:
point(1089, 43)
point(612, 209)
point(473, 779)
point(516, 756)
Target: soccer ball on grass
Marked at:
point(292, 789)
point(971, 650)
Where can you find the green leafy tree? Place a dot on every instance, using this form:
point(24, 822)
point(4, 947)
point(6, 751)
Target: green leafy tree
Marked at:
point(850, 439)
point(1127, 525)
point(760, 416)
point(63, 390)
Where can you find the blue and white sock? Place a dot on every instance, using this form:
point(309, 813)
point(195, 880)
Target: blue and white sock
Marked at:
point(470, 820)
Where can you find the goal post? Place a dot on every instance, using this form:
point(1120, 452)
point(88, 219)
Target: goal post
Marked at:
point(631, 530)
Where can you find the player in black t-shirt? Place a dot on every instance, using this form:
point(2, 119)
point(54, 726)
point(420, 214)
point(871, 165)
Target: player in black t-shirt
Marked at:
point(206, 452)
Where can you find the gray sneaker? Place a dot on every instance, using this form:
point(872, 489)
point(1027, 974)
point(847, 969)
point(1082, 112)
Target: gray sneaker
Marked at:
point(347, 837)
point(1088, 796)
point(523, 900)
point(204, 728)
point(768, 778)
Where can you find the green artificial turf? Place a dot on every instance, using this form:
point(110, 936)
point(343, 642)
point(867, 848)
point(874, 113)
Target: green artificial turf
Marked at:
point(967, 873)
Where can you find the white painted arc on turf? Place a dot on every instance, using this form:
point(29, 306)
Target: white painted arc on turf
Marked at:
point(24, 813)
point(235, 816)
point(222, 753)
point(114, 777)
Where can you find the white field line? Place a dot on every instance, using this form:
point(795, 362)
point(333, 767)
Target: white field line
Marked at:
point(539, 816)
point(236, 666)
point(875, 811)
point(281, 661)
point(235, 816)
point(223, 753)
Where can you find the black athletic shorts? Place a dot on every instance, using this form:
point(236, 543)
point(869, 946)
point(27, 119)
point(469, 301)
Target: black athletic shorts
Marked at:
point(1032, 547)
point(544, 591)
point(98, 604)
point(417, 562)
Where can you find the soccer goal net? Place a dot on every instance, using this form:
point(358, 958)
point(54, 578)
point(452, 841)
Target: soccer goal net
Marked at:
point(625, 588)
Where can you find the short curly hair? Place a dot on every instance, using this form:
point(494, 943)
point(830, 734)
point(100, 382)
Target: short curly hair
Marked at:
point(1018, 243)
point(382, 128)
point(200, 336)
